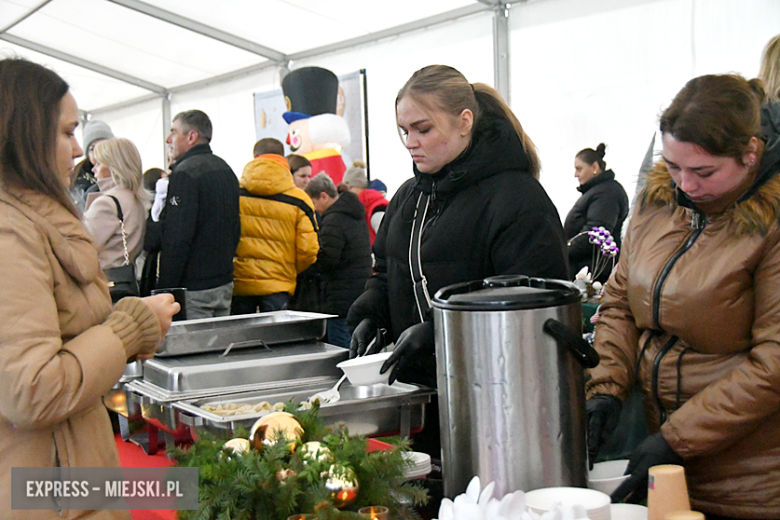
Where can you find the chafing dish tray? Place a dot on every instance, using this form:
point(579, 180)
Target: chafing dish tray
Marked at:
point(249, 330)
point(116, 400)
point(208, 372)
point(374, 410)
point(156, 405)
point(168, 380)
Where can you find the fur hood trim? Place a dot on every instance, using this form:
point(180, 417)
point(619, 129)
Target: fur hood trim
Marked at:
point(757, 213)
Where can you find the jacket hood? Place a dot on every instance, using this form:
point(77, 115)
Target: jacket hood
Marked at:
point(348, 204)
point(370, 196)
point(495, 148)
point(68, 237)
point(604, 176)
point(756, 210)
point(267, 175)
point(770, 121)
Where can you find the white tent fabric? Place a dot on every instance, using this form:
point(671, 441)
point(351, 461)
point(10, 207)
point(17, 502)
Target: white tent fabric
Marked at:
point(581, 71)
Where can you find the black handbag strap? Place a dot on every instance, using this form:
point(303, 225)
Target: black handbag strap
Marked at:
point(122, 226)
point(118, 208)
point(421, 296)
point(287, 199)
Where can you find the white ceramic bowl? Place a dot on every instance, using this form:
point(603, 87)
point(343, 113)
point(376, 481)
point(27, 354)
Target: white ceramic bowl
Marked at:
point(628, 512)
point(596, 503)
point(364, 370)
point(607, 476)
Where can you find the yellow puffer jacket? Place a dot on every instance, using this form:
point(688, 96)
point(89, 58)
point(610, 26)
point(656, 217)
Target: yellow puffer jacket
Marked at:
point(693, 315)
point(278, 240)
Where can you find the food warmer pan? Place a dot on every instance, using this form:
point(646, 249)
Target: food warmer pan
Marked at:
point(168, 380)
point(375, 410)
point(116, 398)
point(249, 330)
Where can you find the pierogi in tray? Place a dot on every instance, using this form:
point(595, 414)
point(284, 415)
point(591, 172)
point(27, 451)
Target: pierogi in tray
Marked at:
point(242, 409)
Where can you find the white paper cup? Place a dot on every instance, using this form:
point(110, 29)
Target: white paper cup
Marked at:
point(607, 476)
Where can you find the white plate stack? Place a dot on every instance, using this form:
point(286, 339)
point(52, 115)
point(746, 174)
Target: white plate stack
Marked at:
point(628, 512)
point(596, 503)
point(421, 465)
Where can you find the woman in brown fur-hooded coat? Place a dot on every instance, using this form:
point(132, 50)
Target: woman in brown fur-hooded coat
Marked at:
point(693, 316)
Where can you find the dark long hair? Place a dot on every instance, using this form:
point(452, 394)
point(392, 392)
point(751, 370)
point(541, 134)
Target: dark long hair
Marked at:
point(30, 98)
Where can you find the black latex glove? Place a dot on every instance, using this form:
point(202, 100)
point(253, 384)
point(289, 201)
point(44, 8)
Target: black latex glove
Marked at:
point(364, 334)
point(603, 413)
point(652, 452)
point(414, 341)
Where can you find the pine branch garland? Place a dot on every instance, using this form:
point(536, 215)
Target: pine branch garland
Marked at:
point(277, 483)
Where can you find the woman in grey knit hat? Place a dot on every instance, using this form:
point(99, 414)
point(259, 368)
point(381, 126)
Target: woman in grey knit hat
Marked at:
point(83, 180)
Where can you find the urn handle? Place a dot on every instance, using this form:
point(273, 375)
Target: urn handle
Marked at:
point(582, 351)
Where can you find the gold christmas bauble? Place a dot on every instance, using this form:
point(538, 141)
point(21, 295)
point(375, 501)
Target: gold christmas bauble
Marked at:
point(342, 484)
point(270, 427)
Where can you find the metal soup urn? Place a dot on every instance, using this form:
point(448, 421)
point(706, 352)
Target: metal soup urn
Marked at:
point(510, 359)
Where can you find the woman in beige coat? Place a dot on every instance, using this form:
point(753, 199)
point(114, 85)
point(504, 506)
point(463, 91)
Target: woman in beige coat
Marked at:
point(62, 346)
point(118, 173)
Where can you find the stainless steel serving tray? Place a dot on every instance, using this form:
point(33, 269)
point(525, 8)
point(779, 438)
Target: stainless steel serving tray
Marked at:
point(116, 398)
point(132, 371)
point(156, 405)
point(168, 380)
point(249, 330)
point(374, 410)
point(208, 373)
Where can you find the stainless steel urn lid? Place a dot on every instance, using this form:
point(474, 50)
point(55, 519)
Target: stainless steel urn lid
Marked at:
point(506, 292)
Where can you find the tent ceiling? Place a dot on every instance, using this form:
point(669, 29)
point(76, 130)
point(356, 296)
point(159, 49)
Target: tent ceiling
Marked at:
point(116, 51)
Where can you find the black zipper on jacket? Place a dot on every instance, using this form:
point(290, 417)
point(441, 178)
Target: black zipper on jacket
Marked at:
point(698, 221)
point(656, 367)
point(679, 376)
point(653, 334)
point(436, 210)
point(697, 224)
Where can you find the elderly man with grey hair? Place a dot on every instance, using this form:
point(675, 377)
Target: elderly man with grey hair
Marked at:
point(344, 259)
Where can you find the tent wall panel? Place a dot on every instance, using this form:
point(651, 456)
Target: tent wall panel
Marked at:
point(142, 124)
point(604, 75)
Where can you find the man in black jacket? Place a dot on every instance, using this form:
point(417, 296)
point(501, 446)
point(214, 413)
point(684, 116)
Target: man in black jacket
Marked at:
point(200, 227)
point(344, 258)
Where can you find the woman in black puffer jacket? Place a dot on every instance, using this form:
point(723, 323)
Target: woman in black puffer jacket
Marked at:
point(603, 203)
point(485, 214)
